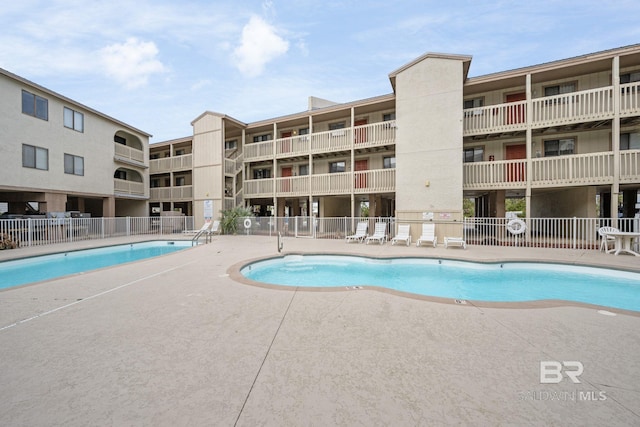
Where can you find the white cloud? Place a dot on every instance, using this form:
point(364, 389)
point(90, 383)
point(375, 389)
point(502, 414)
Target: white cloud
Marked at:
point(259, 45)
point(131, 63)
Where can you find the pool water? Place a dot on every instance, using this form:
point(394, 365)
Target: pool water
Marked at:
point(456, 279)
point(35, 269)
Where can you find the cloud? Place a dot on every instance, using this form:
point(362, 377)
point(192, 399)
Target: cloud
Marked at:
point(259, 45)
point(131, 63)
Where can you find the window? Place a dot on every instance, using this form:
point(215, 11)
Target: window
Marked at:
point(336, 167)
point(120, 140)
point(389, 162)
point(73, 120)
point(473, 103)
point(261, 173)
point(155, 183)
point(559, 89)
point(179, 181)
point(337, 125)
point(388, 117)
point(303, 131)
point(262, 138)
point(154, 156)
point(73, 165)
point(630, 141)
point(231, 145)
point(35, 105)
point(475, 154)
point(559, 147)
point(120, 174)
point(630, 77)
point(303, 170)
point(180, 152)
point(35, 157)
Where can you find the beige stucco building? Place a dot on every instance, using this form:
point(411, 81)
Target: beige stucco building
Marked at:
point(564, 135)
point(59, 155)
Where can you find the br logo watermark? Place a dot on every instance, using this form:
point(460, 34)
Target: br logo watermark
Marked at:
point(555, 372)
point(552, 371)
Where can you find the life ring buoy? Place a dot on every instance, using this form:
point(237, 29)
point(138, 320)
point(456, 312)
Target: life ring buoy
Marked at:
point(516, 226)
point(247, 223)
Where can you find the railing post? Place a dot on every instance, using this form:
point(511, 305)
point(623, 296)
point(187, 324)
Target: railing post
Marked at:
point(128, 227)
point(29, 230)
point(575, 231)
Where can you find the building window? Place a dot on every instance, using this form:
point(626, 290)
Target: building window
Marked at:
point(73, 120)
point(559, 147)
point(475, 154)
point(337, 125)
point(231, 145)
point(387, 117)
point(303, 170)
point(630, 77)
point(337, 167)
point(180, 152)
point(389, 162)
point(35, 105)
point(560, 89)
point(120, 140)
point(303, 131)
point(630, 141)
point(73, 165)
point(262, 138)
point(179, 181)
point(120, 174)
point(154, 156)
point(473, 103)
point(35, 157)
point(261, 173)
point(155, 183)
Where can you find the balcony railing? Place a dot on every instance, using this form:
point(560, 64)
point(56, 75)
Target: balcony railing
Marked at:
point(184, 192)
point(125, 152)
point(579, 169)
point(169, 164)
point(122, 186)
point(365, 136)
point(371, 181)
point(574, 107)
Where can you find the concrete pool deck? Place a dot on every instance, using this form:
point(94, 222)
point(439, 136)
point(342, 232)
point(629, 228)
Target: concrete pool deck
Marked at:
point(176, 341)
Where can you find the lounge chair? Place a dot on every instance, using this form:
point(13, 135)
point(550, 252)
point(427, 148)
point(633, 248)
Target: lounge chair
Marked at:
point(361, 233)
point(205, 228)
point(605, 239)
point(379, 233)
point(215, 228)
point(455, 241)
point(428, 235)
point(403, 234)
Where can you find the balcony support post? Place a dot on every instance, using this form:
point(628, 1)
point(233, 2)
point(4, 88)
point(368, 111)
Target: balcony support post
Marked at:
point(615, 140)
point(529, 143)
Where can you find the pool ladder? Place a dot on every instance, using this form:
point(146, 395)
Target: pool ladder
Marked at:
point(196, 238)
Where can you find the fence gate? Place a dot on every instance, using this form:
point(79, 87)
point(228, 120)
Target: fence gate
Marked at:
point(303, 226)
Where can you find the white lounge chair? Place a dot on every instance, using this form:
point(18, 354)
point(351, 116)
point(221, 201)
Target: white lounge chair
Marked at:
point(379, 233)
point(215, 228)
point(428, 235)
point(205, 228)
point(605, 239)
point(455, 241)
point(403, 234)
point(361, 233)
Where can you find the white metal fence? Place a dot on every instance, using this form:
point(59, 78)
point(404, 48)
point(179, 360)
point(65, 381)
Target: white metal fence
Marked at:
point(45, 231)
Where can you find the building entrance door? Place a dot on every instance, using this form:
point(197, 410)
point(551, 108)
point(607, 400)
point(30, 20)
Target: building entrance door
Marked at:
point(516, 172)
point(361, 177)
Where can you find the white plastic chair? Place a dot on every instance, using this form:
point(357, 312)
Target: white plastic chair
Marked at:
point(379, 233)
point(361, 233)
point(403, 235)
point(428, 235)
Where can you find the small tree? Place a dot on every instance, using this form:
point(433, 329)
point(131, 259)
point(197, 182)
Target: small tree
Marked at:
point(229, 220)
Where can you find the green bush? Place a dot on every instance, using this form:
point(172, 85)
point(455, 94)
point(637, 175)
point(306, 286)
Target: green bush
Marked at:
point(231, 217)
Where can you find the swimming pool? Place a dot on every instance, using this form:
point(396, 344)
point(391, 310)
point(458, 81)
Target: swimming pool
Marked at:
point(35, 269)
point(503, 282)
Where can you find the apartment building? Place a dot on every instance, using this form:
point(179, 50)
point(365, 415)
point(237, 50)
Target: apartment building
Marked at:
point(59, 155)
point(564, 135)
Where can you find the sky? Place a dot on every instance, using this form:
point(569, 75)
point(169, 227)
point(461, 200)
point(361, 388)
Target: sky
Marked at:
point(158, 64)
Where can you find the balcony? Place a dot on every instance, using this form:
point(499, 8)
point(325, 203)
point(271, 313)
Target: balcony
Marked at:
point(580, 169)
point(181, 193)
point(574, 107)
point(128, 154)
point(360, 182)
point(131, 188)
point(366, 136)
point(171, 164)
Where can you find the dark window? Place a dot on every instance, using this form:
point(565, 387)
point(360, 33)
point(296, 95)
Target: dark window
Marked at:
point(630, 141)
point(473, 103)
point(303, 170)
point(388, 117)
point(559, 147)
point(73, 120)
point(389, 162)
point(337, 125)
point(630, 77)
point(35, 157)
point(262, 138)
point(261, 173)
point(231, 145)
point(35, 105)
point(73, 164)
point(120, 140)
point(336, 167)
point(559, 89)
point(475, 154)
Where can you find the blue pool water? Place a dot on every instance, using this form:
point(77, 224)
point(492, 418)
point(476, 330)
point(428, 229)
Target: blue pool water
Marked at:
point(34, 269)
point(456, 279)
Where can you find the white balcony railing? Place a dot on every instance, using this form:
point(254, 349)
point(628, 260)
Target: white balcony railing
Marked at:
point(169, 164)
point(579, 169)
point(184, 192)
point(293, 186)
point(122, 186)
point(574, 107)
point(128, 153)
point(371, 135)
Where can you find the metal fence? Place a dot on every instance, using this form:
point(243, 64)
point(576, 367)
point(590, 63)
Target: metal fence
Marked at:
point(45, 231)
